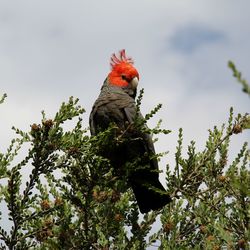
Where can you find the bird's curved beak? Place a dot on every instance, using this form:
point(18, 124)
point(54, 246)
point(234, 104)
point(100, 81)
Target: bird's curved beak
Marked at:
point(134, 82)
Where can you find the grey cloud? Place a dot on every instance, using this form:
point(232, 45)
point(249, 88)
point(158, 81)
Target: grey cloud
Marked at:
point(191, 37)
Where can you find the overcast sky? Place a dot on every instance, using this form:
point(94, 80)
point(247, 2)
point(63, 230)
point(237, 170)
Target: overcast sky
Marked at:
point(50, 50)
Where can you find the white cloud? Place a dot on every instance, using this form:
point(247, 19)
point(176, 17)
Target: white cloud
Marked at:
point(51, 50)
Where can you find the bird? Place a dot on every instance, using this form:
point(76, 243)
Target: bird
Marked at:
point(116, 105)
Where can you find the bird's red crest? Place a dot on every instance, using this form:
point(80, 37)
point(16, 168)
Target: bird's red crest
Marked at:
point(121, 58)
point(122, 69)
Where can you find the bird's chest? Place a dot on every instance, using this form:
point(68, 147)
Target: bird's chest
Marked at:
point(113, 107)
point(111, 113)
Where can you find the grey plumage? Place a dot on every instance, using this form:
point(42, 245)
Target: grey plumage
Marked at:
point(117, 105)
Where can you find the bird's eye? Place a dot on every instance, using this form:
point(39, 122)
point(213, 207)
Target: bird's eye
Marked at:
point(124, 77)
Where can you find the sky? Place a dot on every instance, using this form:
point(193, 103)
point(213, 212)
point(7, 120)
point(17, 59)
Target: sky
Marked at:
point(50, 50)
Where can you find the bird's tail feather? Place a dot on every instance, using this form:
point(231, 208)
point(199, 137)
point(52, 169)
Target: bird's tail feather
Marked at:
point(150, 196)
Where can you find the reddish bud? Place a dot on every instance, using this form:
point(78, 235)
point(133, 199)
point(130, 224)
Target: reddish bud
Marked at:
point(58, 201)
point(237, 129)
point(100, 196)
point(45, 205)
point(48, 123)
point(95, 194)
point(35, 127)
point(73, 151)
point(203, 229)
point(222, 178)
point(168, 227)
point(210, 238)
point(48, 223)
point(44, 234)
point(216, 247)
point(242, 243)
point(115, 196)
point(118, 217)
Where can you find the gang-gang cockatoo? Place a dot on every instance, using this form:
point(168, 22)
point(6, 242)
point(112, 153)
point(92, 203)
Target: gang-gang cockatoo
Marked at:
point(116, 104)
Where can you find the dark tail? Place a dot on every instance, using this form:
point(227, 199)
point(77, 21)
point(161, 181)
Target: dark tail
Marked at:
point(150, 195)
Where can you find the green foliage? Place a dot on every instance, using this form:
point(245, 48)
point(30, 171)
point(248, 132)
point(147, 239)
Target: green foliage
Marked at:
point(213, 196)
point(72, 198)
point(3, 98)
point(238, 76)
point(64, 195)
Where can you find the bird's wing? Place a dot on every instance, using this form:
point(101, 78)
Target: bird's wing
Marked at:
point(108, 106)
point(131, 113)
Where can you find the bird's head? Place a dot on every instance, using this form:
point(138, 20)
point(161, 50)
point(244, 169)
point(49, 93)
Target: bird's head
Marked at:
point(123, 74)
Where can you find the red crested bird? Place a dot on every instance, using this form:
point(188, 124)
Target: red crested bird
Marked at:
point(116, 104)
